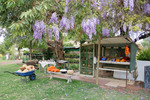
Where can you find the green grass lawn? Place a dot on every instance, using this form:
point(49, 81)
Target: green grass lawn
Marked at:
point(11, 88)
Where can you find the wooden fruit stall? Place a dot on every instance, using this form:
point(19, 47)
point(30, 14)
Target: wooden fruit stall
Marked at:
point(112, 56)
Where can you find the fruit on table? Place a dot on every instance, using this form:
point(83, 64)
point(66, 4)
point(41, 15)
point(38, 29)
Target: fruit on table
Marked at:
point(123, 60)
point(117, 60)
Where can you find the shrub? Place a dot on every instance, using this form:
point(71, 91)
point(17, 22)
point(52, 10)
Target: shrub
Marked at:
point(74, 66)
point(144, 55)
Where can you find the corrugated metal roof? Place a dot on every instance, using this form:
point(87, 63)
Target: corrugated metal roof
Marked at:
point(116, 40)
point(113, 40)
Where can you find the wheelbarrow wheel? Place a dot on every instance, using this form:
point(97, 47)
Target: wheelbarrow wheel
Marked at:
point(32, 77)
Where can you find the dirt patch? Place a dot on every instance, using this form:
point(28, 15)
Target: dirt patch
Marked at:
point(129, 89)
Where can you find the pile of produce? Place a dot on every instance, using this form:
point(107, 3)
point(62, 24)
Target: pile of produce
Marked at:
point(52, 69)
point(117, 59)
point(26, 68)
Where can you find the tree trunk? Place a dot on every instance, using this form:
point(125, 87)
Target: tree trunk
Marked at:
point(98, 60)
point(30, 49)
point(19, 54)
point(58, 48)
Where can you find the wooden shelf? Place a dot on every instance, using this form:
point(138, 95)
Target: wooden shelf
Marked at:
point(117, 63)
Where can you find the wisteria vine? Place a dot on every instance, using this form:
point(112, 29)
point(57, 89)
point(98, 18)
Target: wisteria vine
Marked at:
point(89, 23)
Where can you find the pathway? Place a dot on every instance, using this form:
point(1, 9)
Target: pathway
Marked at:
point(102, 81)
point(11, 62)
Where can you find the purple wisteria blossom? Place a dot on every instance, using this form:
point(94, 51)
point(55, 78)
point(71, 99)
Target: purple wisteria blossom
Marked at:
point(66, 9)
point(126, 3)
point(105, 31)
point(56, 32)
point(119, 14)
point(54, 18)
point(72, 22)
point(124, 27)
point(131, 5)
point(94, 4)
point(82, 2)
point(89, 26)
point(140, 26)
point(66, 23)
point(49, 31)
point(62, 22)
point(39, 29)
point(104, 15)
point(130, 25)
point(113, 29)
point(103, 2)
point(67, 1)
point(147, 26)
point(147, 8)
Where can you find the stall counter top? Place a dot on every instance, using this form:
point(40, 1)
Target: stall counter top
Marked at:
point(112, 62)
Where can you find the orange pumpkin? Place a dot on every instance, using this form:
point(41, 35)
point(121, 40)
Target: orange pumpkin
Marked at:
point(50, 68)
point(55, 70)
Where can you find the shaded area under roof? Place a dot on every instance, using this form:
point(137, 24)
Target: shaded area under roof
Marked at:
point(70, 49)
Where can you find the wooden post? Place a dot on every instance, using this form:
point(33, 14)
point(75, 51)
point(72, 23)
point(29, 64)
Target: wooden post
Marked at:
point(126, 76)
point(30, 49)
point(98, 60)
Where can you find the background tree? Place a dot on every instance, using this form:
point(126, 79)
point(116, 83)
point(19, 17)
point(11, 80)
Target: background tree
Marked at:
point(146, 43)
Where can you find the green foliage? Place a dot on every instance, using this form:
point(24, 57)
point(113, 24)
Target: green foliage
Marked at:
point(34, 52)
point(12, 50)
point(74, 66)
point(146, 43)
point(144, 55)
point(68, 45)
point(70, 55)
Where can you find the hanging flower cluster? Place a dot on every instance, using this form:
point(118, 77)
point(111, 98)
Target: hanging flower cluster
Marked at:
point(39, 29)
point(129, 3)
point(56, 32)
point(94, 3)
point(126, 2)
point(147, 8)
point(54, 18)
point(67, 24)
point(147, 26)
point(67, 7)
point(89, 26)
point(49, 31)
point(105, 31)
point(54, 28)
point(124, 27)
